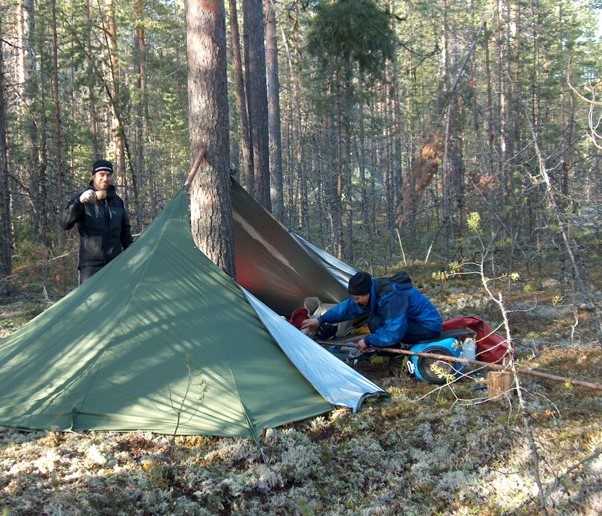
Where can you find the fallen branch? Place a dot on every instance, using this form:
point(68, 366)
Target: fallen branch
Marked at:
point(490, 365)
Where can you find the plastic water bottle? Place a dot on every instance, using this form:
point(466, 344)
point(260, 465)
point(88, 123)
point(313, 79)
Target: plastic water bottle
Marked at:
point(469, 348)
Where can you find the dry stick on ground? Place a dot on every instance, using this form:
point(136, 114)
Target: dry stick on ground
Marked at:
point(490, 365)
point(558, 481)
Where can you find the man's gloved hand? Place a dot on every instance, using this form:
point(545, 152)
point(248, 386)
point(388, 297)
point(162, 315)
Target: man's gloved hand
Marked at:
point(87, 197)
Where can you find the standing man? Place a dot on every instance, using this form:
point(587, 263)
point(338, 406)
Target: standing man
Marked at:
point(397, 312)
point(102, 221)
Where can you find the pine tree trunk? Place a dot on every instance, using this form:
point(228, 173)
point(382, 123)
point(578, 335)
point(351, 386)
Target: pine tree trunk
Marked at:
point(130, 183)
point(273, 91)
point(95, 133)
point(246, 166)
point(58, 123)
point(210, 201)
point(6, 239)
point(141, 115)
point(257, 99)
point(115, 86)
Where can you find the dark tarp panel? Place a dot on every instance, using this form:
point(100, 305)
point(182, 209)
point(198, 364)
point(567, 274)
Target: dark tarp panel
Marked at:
point(277, 266)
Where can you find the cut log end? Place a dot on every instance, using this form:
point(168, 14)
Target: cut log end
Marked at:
point(500, 385)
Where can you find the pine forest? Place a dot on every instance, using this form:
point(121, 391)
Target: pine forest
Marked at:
point(390, 125)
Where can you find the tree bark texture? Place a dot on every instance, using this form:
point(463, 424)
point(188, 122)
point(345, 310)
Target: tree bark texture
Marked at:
point(141, 114)
point(58, 123)
point(6, 239)
point(273, 92)
point(211, 205)
point(257, 98)
point(246, 165)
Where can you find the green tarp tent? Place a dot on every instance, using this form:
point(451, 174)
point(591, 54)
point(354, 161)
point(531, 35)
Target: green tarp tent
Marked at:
point(134, 347)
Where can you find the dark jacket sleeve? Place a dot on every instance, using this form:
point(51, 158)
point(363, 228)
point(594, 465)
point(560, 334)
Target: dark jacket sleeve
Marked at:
point(72, 213)
point(395, 310)
point(392, 310)
point(126, 230)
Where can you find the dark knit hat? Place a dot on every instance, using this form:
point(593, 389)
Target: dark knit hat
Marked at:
point(102, 165)
point(360, 284)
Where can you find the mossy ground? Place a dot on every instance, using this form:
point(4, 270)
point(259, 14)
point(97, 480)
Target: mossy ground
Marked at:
point(425, 449)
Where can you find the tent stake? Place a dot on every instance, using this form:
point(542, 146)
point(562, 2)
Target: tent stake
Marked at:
point(497, 367)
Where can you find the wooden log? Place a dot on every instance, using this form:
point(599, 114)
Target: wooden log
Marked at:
point(195, 167)
point(499, 385)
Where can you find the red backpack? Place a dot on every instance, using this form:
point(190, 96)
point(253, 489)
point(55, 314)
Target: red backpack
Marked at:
point(491, 347)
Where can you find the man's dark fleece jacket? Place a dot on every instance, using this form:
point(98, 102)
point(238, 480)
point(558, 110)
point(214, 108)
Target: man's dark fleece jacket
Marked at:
point(392, 305)
point(104, 227)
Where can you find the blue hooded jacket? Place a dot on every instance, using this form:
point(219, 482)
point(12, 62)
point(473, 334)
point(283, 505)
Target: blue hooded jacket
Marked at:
point(392, 305)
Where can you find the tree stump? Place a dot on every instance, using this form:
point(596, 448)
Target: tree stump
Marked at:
point(500, 385)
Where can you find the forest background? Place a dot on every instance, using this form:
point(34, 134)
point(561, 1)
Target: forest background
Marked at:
point(388, 125)
point(456, 139)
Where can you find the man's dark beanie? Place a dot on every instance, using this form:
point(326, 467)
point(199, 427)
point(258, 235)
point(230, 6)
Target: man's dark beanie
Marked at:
point(102, 165)
point(360, 284)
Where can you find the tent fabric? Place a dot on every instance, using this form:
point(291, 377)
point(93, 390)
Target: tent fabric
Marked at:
point(336, 268)
point(134, 347)
point(277, 266)
point(339, 385)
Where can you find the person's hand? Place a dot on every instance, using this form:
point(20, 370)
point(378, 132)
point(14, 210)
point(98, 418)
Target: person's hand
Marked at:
point(87, 197)
point(101, 195)
point(361, 345)
point(309, 326)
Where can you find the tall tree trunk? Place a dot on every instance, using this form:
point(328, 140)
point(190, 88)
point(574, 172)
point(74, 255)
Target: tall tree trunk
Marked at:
point(257, 98)
point(96, 136)
point(336, 200)
point(500, 146)
point(492, 154)
point(247, 174)
point(211, 204)
point(41, 179)
point(120, 142)
point(25, 10)
point(273, 91)
point(141, 113)
point(6, 237)
point(115, 71)
point(345, 178)
point(395, 183)
point(568, 119)
point(31, 100)
point(510, 116)
point(58, 122)
point(297, 174)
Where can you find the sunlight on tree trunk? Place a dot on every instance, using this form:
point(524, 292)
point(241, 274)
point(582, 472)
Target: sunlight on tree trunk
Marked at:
point(210, 201)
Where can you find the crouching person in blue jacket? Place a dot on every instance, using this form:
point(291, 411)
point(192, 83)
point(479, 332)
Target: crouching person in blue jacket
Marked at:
point(398, 313)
